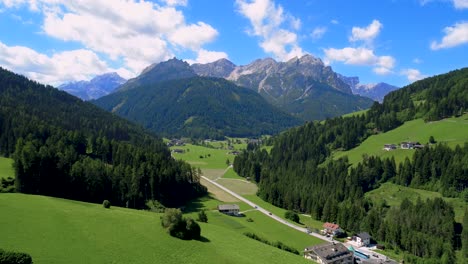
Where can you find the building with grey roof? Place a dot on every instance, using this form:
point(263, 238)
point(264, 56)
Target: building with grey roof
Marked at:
point(329, 253)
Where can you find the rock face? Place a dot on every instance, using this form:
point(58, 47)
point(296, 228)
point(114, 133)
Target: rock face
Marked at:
point(304, 86)
point(374, 91)
point(283, 82)
point(220, 68)
point(97, 87)
point(172, 69)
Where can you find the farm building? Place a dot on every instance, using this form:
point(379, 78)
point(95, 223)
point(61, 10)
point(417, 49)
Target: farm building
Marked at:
point(389, 147)
point(178, 151)
point(411, 145)
point(332, 229)
point(329, 253)
point(229, 209)
point(362, 239)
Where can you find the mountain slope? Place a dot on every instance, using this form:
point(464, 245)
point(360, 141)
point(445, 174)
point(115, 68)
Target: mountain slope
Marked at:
point(374, 91)
point(97, 87)
point(198, 107)
point(220, 68)
point(302, 86)
point(172, 69)
point(65, 147)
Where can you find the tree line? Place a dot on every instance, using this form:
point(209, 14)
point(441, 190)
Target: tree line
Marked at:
point(65, 147)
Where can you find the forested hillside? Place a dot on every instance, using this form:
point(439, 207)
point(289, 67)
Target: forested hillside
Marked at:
point(198, 107)
point(68, 148)
point(294, 174)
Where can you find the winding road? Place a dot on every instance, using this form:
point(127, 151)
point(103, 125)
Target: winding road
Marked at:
point(371, 253)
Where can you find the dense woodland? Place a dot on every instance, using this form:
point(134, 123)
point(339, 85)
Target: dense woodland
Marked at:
point(299, 174)
point(198, 107)
point(64, 147)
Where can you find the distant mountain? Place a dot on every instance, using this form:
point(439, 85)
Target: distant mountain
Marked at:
point(99, 86)
point(172, 69)
point(374, 91)
point(198, 107)
point(221, 68)
point(304, 86)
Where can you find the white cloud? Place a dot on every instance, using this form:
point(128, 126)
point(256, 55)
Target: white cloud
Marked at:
point(460, 4)
point(335, 22)
point(61, 67)
point(361, 56)
point(454, 36)
point(185, 36)
point(413, 74)
point(417, 61)
point(318, 32)
point(137, 32)
point(175, 2)
point(268, 22)
point(366, 34)
point(206, 56)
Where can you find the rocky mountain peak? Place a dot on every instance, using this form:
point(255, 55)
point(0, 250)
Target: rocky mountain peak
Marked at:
point(220, 68)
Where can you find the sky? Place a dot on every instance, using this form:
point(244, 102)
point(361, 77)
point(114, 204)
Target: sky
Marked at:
point(393, 41)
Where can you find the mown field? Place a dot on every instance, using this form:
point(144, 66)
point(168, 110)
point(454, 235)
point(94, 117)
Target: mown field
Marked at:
point(6, 168)
point(55, 230)
point(452, 131)
point(394, 194)
point(203, 157)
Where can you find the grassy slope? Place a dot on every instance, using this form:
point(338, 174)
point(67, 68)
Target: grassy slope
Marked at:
point(6, 168)
point(453, 131)
point(61, 231)
point(216, 160)
point(393, 194)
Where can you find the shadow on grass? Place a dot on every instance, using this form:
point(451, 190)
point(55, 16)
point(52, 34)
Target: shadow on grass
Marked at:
point(204, 239)
point(197, 205)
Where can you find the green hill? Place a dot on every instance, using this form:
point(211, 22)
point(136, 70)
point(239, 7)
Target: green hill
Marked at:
point(65, 147)
point(452, 131)
point(198, 107)
point(37, 224)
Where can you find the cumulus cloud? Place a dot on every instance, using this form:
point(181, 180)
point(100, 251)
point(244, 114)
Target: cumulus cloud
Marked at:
point(61, 67)
point(318, 32)
point(454, 36)
point(366, 34)
point(361, 56)
point(460, 4)
point(138, 33)
point(268, 22)
point(413, 74)
point(206, 56)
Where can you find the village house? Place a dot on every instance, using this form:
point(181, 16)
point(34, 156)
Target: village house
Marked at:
point(389, 147)
point(362, 239)
point(411, 145)
point(329, 253)
point(175, 142)
point(235, 152)
point(332, 229)
point(178, 151)
point(229, 209)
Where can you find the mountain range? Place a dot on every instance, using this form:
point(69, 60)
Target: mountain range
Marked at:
point(375, 91)
point(97, 87)
point(197, 107)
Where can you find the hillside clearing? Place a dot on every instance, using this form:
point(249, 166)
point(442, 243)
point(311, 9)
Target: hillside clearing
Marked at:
point(37, 224)
point(6, 168)
point(452, 131)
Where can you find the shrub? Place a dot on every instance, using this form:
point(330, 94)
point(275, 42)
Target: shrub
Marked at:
point(8, 257)
point(155, 206)
point(292, 216)
point(202, 217)
point(249, 219)
point(178, 226)
point(106, 204)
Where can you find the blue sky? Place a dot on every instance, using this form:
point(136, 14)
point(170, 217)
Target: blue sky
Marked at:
point(394, 41)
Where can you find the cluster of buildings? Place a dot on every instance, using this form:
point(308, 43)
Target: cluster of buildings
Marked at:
point(175, 142)
point(404, 145)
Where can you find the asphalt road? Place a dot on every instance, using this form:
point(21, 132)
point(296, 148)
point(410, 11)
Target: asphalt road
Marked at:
point(298, 228)
point(264, 211)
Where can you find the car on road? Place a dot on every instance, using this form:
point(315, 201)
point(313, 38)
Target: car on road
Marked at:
point(269, 213)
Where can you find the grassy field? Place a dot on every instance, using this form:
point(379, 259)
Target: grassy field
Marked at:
point(452, 131)
point(393, 194)
point(6, 168)
point(304, 220)
point(37, 225)
point(203, 157)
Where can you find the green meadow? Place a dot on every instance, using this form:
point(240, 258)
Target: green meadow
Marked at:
point(56, 230)
point(203, 157)
point(452, 131)
point(394, 194)
point(6, 168)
